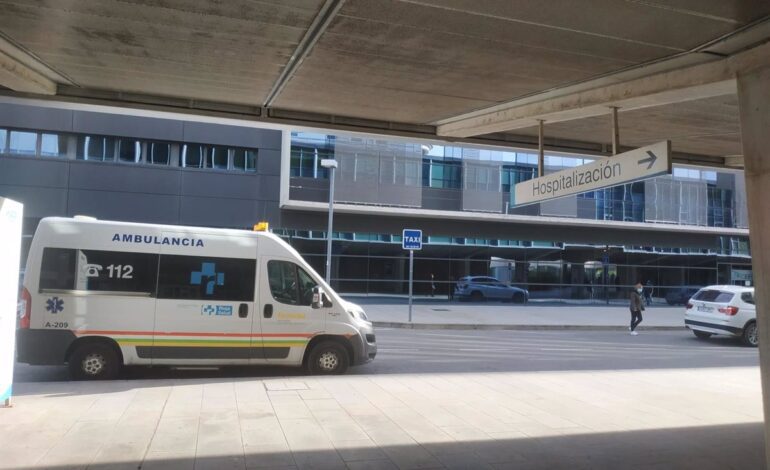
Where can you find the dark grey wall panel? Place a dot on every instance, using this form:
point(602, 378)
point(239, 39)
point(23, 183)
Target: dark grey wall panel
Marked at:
point(31, 171)
point(726, 181)
point(269, 188)
point(131, 207)
point(38, 201)
point(124, 178)
point(271, 212)
point(127, 126)
point(220, 184)
point(30, 117)
point(308, 194)
point(441, 199)
point(269, 162)
point(236, 136)
point(586, 208)
point(562, 207)
point(219, 212)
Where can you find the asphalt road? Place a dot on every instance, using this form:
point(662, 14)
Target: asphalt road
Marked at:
point(403, 351)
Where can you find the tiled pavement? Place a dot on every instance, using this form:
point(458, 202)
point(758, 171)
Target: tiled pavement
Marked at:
point(703, 418)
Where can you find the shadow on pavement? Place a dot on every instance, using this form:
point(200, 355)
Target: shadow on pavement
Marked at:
point(736, 446)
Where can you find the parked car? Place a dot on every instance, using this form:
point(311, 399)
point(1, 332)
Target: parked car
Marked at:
point(480, 288)
point(681, 295)
point(723, 310)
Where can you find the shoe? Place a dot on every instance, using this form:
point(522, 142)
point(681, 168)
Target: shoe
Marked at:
point(634, 333)
point(629, 328)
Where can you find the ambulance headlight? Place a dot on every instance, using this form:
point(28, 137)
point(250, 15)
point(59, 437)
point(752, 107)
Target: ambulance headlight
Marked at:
point(358, 313)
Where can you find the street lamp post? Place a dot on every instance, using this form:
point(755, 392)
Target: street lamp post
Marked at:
point(331, 165)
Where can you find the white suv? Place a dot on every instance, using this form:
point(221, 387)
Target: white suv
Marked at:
point(720, 310)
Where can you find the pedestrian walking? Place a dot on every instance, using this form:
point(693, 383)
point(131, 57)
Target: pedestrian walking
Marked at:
point(636, 305)
point(432, 285)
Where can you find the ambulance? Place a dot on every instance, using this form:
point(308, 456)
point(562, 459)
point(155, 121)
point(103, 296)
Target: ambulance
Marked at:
point(99, 295)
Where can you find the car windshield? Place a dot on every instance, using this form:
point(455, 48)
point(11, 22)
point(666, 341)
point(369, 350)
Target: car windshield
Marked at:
point(713, 295)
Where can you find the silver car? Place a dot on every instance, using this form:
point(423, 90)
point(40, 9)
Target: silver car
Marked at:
point(478, 288)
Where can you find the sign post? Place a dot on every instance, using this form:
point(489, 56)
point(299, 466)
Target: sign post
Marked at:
point(411, 240)
point(11, 213)
point(622, 168)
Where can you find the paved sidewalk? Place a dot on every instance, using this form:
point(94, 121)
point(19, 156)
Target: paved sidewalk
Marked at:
point(638, 419)
point(534, 315)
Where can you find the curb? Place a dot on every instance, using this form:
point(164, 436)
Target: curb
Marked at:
point(471, 326)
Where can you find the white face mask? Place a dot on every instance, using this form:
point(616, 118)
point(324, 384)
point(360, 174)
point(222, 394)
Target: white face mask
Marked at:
point(639, 289)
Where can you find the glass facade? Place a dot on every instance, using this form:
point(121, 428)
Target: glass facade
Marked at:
point(468, 178)
point(375, 264)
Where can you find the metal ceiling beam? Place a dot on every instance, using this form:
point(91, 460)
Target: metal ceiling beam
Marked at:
point(322, 20)
point(714, 78)
point(21, 71)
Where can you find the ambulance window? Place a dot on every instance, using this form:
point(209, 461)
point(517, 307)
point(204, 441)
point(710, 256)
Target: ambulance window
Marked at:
point(100, 271)
point(206, 278)
point(116, 271)
point(58, 269)
point(290, 284)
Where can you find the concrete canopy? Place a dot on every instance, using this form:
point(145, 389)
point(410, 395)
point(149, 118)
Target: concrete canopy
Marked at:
point(386, 65)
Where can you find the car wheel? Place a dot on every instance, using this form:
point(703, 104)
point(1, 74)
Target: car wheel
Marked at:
point(519, 298)
point(750, 335)
point(94, 361)
point(477, 296)
point(328, 358)
point(701, 334)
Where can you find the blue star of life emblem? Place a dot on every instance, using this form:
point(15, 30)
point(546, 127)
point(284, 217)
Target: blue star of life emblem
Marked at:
point(54, 305)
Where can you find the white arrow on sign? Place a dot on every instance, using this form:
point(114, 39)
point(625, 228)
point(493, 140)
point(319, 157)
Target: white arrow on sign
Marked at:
point(638, 164)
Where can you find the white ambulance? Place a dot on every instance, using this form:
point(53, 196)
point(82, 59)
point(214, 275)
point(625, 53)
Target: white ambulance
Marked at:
point(98, 295)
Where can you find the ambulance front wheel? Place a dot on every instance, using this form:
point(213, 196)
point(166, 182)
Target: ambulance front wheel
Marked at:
point(328, 358)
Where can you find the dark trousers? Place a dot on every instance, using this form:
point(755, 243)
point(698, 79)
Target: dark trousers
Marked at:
point(636, 318)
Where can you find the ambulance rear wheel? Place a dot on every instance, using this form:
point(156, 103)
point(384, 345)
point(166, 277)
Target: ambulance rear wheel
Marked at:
point(94, 361)
point(328, 358)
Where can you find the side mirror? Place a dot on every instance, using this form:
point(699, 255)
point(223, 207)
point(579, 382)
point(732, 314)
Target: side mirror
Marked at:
point(320, 299)
point(317, 294)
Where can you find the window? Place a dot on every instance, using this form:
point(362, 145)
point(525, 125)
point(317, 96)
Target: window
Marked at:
point(748, 297)
point(717, 296)
point(442, 174)
point(53, 145)
point(290, 284)
point(206, 278)
point(100, 271)
point(202, 156)
point(245, 160)
point(3, 139)
point(158, 153)
point(193, 156)
point(129, 151)
point(96, 148)
point(58, 269)
point(217, 157)
point(22, 143)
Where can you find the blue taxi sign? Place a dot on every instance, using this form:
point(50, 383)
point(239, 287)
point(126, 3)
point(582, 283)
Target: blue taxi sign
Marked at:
point(411, 239)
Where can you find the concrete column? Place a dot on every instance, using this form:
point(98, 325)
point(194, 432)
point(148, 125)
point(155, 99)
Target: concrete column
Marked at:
point(540, 149)
point(754, 105)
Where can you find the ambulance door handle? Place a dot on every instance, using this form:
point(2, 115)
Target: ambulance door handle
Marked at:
point(268, 311)
point(243, 310)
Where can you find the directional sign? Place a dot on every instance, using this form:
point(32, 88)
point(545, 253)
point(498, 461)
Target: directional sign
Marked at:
point(638, 164)
point(412, 239)
point(11, 215)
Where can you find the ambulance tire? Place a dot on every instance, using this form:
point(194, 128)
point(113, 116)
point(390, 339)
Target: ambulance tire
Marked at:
point(328, 358)
point(94, 361)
